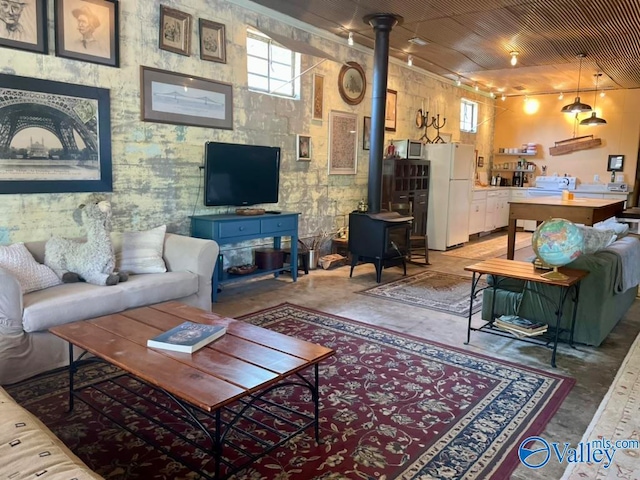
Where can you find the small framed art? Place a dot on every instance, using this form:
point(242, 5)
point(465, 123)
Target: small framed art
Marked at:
point(212, 41)
point(366, 133)
point(175, 31)
point(352, 83)
point(26, 26)
point(390, 111)
point(88, 31)
point(317, 97)
point(343, 143)
point(303, 148)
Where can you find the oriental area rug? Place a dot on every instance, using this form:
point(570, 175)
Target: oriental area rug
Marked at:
point(491, 248)
point(392, 406)
point(433, 290)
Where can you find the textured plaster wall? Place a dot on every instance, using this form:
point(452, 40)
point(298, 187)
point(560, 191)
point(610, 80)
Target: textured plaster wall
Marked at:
point(156, 172)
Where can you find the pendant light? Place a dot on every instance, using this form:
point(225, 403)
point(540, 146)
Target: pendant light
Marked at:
point(577, 106)
point(593, 120)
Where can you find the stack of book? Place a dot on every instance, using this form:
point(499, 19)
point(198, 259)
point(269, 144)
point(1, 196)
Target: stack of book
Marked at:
point(520, 327)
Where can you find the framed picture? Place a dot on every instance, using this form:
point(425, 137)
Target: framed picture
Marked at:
point(317, 103)
point(168, 97)
point(88, 30)
point(390, 111)
point(615, 163)
point(303, 148)
point(25, 25)
point(212, 41)
point(352, 83)
point(175, 31)
point(343, 143)
point(480, 161)
point(59, 137)
point(366, 133)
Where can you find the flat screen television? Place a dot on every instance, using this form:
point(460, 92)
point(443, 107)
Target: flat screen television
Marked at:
point(240, 175)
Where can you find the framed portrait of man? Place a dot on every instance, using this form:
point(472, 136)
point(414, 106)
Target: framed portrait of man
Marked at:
point(23, 25)
point(88, 30)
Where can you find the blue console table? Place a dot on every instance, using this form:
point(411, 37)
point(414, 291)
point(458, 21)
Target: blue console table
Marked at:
point(226, 229)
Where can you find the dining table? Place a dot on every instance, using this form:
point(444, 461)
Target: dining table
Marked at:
point(586, 211)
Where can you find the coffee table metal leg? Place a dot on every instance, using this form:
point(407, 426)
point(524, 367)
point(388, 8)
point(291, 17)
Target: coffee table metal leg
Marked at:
point(563, 296)
point(315, 393)
point(72, 371)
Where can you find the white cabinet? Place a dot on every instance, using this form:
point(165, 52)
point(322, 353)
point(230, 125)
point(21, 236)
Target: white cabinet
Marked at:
point(477, 212)
point(527, 225)
point(491, 212)
point(502, 209)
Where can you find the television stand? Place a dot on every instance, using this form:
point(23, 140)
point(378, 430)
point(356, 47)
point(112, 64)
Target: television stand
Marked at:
point(249, 211)
point(229, 229)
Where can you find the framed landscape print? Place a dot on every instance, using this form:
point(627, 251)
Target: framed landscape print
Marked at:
point(343, 143)
point(352, 83)
point(366, 133)
point(175, 31)
point(390, 111)
point(88, 30)
point(24, 25)
point(59, 137)
point(212, 41)
point(317, 99)
point(303, 148)
point(180, 99)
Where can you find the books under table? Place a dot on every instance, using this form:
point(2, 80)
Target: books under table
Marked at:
point(187, 337)
point(519, 326)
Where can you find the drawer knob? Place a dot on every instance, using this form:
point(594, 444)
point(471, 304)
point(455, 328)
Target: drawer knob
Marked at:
point(241, 229)
point(280, 224)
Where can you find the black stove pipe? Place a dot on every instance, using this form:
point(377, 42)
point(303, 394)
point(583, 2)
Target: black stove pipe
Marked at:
point(382, 23)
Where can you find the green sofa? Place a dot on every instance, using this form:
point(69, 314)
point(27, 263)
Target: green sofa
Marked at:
point(600, 307)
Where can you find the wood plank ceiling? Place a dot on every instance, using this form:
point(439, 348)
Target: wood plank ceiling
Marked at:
point(472, 39)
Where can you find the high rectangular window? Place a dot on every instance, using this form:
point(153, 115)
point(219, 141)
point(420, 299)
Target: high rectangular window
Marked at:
point(271, 68)
point(468, 116)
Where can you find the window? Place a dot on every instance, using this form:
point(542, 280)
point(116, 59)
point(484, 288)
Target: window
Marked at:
point(468, 116)
point(271, 67)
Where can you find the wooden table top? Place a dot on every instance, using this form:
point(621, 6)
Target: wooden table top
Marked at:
point(244, 360)
point(501, 267)
point(576, 202)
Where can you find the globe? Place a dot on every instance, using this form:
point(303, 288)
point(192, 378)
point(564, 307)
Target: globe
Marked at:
point(557, 242)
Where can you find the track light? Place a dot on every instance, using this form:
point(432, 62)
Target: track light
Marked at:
point(602, 94)
point(410, 60)
point(577, 106)
point(561, 96)
point(514, 58)
point(350, 40)
point(458, 82)
point(503, 97)
point(492, 95)
point(476, 87)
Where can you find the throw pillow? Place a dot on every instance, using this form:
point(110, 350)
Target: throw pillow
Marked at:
point(140, 252)
point(31, 275)
point(596, 239)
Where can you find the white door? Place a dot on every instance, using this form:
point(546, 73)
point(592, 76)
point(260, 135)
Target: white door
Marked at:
point(458, 215)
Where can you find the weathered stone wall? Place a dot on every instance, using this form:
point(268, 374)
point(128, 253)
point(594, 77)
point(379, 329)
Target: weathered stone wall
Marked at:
point(157, 179)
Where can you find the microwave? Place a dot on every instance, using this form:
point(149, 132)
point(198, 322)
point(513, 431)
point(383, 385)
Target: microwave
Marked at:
point(409, 149)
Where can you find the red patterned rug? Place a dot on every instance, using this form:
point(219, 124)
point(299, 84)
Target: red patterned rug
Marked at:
point(392, 406)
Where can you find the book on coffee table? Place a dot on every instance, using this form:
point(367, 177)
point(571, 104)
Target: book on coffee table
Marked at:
point(522, 325)
point(187, 337)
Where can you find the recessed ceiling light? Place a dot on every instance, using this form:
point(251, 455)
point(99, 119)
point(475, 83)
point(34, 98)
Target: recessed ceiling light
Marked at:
point(514, 58)
point(418, 41)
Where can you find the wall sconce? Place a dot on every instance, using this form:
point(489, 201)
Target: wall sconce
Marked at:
point(350, 40)
point(531, 106)
point(514, 58)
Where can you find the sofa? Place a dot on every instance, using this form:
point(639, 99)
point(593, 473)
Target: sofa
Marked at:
point(605, 294)
point(28, 449)
point(26, 346)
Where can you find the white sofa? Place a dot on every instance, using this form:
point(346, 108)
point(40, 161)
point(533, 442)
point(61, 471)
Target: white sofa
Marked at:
point(28, 449)
point(26, 346)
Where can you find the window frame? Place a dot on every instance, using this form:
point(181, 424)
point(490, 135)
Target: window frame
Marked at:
point(472, 126)
point(293, 91)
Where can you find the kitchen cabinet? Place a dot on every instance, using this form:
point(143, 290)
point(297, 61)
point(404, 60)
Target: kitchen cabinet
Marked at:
point(491, 211)
point(526, 225)
point(477, 212)
point(502, 209)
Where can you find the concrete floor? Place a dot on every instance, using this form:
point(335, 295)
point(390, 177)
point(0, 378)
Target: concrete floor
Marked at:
point(332, 291)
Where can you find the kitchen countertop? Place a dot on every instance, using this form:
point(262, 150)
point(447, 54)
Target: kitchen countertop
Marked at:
point(577, 190)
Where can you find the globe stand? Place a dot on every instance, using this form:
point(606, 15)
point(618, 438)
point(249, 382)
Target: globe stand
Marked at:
point(555, 275)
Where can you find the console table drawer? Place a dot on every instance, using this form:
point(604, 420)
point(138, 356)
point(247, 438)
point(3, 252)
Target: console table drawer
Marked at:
point(275, 225)
point(237, 229)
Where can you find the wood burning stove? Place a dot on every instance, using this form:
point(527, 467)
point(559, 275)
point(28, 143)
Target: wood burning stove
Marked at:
point(379, 238)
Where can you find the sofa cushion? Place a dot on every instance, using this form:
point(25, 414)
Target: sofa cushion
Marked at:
point(70, 302)
point(30, 450)
point(30, 274)
point(151, 288)
point(140, 252)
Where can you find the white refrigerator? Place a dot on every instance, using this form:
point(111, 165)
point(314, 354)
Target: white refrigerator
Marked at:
point(449, 194)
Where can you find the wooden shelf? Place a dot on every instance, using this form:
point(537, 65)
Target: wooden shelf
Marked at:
point(503, 154)
point(512, 170)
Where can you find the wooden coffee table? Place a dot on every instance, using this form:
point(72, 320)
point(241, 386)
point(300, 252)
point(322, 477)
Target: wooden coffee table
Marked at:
point(240, 367)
